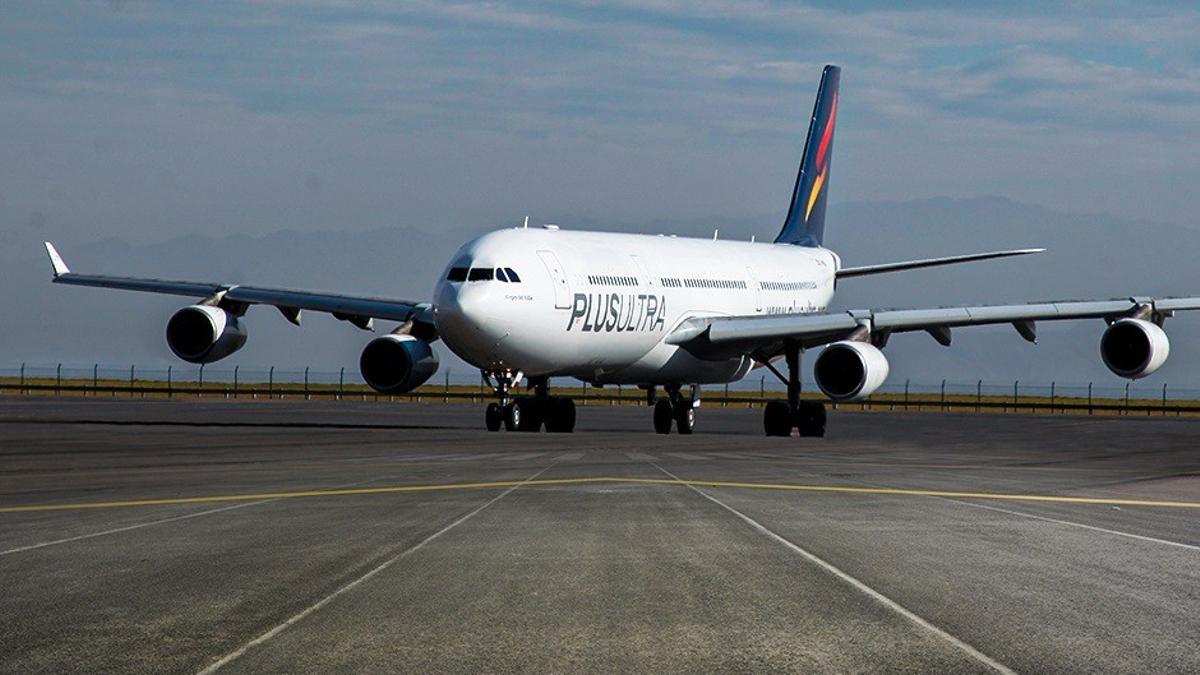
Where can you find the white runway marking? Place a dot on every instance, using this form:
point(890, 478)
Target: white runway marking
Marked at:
point(234, 655)
point(569, 457)
point(1094, 528)
point(641, 457)
point(844, 576)
point(520, 456)
point(685, 455)
point(127, 528)
point(138, 526)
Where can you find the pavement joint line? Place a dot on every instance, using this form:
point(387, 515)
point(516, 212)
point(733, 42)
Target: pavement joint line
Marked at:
point(849, 579)
point(299, 616)
point(397, 489)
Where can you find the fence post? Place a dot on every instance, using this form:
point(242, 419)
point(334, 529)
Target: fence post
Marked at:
point(169, 392)
point(22, 378)
point(446, 389)
point(341, 382)
point(943, 394)
point(978, 394)
point(1016, 383)
point(58, 381)
point(131, 366)
point(200, 388)
point(235, 381)
point(1164, 405)
point(1052, 397)
point(584, 393)
point(95, 379)
point(906, 394)
point(1126, 399)
point(618, 395)
point(305, 383)
point(725, 403)
point(1089, 398)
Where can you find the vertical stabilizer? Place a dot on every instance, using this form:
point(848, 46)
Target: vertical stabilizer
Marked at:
point(805, 223)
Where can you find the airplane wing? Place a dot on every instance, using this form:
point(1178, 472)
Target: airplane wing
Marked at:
point(722, 337)
point(358, 310)
point(931, 262)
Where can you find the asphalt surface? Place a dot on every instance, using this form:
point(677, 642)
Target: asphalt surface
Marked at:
point(348, 537)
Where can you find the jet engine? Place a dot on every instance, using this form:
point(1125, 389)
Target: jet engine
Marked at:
point(395, 364)
point(1134, 348)
point(850, 370)
point(203, 334)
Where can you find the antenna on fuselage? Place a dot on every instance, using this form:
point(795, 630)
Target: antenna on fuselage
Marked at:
point(715, 233)
point(526, 222)
point(751, 239)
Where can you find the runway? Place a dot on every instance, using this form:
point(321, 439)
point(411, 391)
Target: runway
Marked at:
point(223, 536)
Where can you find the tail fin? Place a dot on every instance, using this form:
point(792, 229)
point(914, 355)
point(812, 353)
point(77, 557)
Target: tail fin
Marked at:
point(805, 223)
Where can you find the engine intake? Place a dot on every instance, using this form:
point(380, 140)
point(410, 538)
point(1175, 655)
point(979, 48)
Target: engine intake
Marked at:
point(849, 370)
point(1134, 348)
point(203, 334)
point(395, 364)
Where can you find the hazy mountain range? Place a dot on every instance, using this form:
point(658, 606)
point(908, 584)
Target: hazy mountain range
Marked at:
point(1089, 256)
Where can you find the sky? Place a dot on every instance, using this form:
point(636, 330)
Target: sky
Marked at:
point(152, 120)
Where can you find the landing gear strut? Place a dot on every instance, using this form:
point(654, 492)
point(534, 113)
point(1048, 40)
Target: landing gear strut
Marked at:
point(675, 408)
point(806, 416)
point(528, 413)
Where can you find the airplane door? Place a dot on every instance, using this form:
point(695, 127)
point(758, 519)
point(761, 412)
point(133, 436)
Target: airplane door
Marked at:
point(562, 291)
point(754, 288)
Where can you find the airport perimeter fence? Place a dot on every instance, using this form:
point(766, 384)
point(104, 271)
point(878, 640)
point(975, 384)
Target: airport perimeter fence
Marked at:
point(346, 384)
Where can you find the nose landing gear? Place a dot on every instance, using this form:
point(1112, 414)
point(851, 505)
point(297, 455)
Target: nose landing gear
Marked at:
point(528, 413)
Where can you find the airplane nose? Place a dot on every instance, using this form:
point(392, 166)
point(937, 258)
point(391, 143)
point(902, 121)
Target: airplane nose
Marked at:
point(465, 318)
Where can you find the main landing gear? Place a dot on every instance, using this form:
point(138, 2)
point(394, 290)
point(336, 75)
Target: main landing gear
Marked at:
point(676, 408)
point(780, 418)
point(528, 413)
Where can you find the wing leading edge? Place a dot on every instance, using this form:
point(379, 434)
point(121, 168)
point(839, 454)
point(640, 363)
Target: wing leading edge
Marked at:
point(355, 309)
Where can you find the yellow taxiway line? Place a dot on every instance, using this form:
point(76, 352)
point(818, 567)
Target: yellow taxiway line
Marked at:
point(396, 489)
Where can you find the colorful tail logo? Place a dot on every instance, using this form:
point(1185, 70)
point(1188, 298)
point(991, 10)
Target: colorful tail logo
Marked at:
point(805, 223)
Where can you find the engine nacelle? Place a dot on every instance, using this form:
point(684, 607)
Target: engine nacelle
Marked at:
point(1134, 348)
point(395, 364)
point(203, 334)
point(850, 370)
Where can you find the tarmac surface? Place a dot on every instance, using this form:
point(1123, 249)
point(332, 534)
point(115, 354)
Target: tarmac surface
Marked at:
point(197, 536)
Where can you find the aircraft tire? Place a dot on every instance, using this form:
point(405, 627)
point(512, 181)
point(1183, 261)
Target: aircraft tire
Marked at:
point(685, 417)
point(810, 419)
point(777, 419)
point(494, 417)
point(662, 416)
point(560, 415)
point(512, 416)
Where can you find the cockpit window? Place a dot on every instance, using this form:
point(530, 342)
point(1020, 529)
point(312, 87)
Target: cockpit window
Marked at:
point(480, 274)
point(457, 274)
point(512, 276)
point(500, 275)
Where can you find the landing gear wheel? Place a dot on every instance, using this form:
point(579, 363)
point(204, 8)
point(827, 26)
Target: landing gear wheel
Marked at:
point(777, 419)
point(528, 413)
point(513, 415)
point(494, 417)
point(685, 416)
point(560, 415)
point(662, 416)
point(810, 419)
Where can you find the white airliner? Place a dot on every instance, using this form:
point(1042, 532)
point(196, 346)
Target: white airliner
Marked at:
point(527, 304)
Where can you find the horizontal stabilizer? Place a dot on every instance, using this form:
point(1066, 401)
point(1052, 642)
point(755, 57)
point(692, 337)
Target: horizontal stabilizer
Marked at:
point(930, 262)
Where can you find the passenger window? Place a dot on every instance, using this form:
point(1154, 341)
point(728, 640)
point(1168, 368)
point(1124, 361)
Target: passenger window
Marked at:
point(480, 274)
point(457, 274)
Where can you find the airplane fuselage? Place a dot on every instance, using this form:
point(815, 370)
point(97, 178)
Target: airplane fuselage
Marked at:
point(597, 305)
